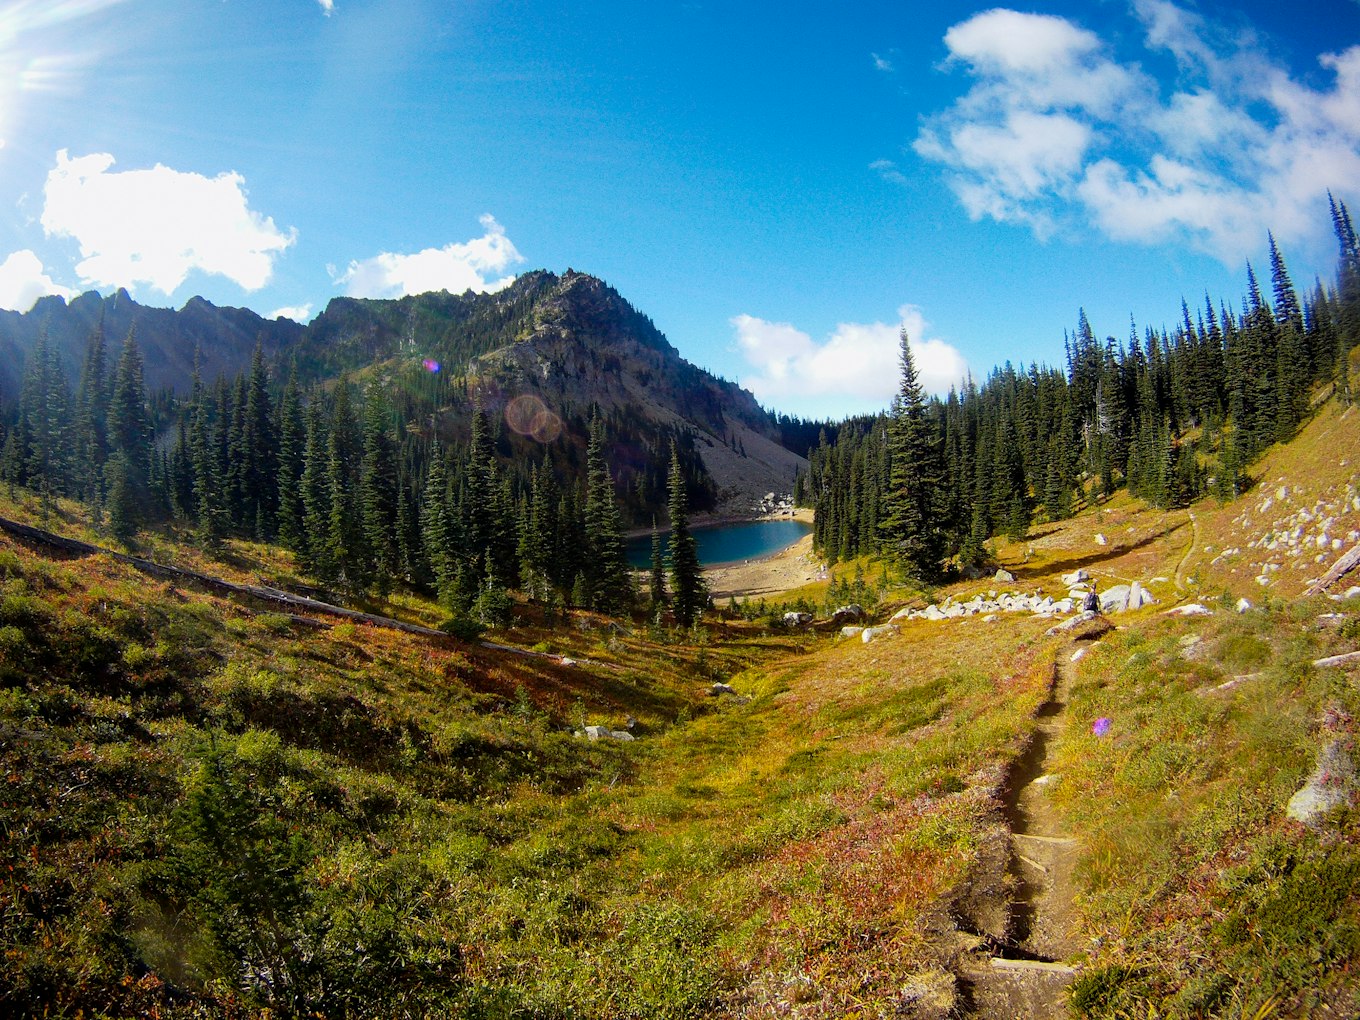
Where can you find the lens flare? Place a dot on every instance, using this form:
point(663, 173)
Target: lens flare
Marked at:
point(430, 365)
point(529, 416)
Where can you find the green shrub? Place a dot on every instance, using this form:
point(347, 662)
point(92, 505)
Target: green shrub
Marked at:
point(463, 628)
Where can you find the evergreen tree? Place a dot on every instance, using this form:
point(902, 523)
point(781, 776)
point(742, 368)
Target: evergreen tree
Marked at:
point(657, 585)
point(689, 591)
point(609, 587)
point(437, 530)
point(316, 501)
point(259, 453)
point(209, 503)
point(378, 491)
point(90, 442)
point(291, 459)
point(910, 525)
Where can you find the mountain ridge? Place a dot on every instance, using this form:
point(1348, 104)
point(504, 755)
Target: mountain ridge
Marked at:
point(570, 342)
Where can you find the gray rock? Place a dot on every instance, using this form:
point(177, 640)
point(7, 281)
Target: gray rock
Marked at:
point(852, 613)
point(1331, 785)
point(1190, 609)
point(874, 633)
point(1115, 599)
point(1003, 575)
point(933, 613)
point(1101, 540)
point(793, 619)
point(720, 688)
point(1243, 606)
point(850, 632)
point(1079, 576)
point(1071, 624)
point(605, 733)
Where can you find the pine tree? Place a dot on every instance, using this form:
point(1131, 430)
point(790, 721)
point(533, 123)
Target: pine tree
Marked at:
point(378, 491)
point(90, 442)
point(209, 503)
point(259, 451)
point(609, 587)
point(346, 549)
point(689, 591)
point(436, 529)
point(316, 504)
point(292, 447)
point(910, 526)
point(657, 582)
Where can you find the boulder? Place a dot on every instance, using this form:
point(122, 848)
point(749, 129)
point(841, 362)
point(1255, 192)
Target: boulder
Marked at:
point(850, 632)
point(1331, 785)
point(720, 688)
point(1243, 606)
point(1101, 540)
point(901, 614)
point(1123, 597)
point(934, 613)
point(605, 733)
point(1003, 575)
point(848, 614)
point(1072, 624)
point(1114, 599)
point(874, 633)
point(794, 619)
point(1190, 609)
point(1079, 576)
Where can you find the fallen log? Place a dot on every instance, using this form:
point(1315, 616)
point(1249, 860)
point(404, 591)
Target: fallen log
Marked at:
point(1338, 570)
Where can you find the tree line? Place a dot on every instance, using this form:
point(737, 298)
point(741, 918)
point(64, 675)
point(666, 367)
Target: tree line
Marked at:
point(368, 496)
point(1170, 414)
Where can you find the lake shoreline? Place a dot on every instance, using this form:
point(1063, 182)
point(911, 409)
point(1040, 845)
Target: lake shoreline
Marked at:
point(701, 521)
point(779, 572)
point(761, 576)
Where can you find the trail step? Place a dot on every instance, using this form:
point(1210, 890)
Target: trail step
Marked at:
point(1034, 967)
point(1059, 840)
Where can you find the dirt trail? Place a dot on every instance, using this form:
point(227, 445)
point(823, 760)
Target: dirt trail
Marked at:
point(1189, 551)
point(1027, 976)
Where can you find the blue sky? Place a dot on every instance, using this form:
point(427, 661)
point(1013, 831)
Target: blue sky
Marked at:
point(781, 188)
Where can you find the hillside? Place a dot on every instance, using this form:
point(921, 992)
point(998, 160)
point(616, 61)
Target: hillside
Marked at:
point(564, 346)
point(212, 807)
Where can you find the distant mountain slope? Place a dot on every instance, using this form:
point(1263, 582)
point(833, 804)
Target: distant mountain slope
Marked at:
point(168, 337)
point(570, 341)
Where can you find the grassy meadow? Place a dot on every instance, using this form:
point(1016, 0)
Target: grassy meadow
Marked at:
point(213, 809)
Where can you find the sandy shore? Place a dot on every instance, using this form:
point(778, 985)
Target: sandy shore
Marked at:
point(769, 575)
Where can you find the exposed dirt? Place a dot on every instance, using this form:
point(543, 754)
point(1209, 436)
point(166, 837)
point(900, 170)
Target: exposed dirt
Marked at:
point(783, 571)
point(1024, 976)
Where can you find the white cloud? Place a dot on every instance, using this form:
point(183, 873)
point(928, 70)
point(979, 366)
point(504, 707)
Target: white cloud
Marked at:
point(298, 313)
point(475, 265)
point(889, 171)
point(1055, 133)
point(23, 280)
point(1002, 41)
point(856, 367)
point(327, 7)
point(156, 226)
point(881, 63)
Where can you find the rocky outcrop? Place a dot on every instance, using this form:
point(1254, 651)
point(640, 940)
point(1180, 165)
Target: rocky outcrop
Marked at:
point(1331, 785)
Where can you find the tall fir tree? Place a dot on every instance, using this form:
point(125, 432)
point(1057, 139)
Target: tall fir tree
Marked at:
point(689, 590)
point(292, 447)
point(378, 491)
point(910, 525)
point(609, 587)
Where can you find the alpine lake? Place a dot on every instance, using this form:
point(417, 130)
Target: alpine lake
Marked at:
point(725, 543)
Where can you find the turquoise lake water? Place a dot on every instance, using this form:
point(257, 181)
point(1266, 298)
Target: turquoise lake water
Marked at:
point(726, 543)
